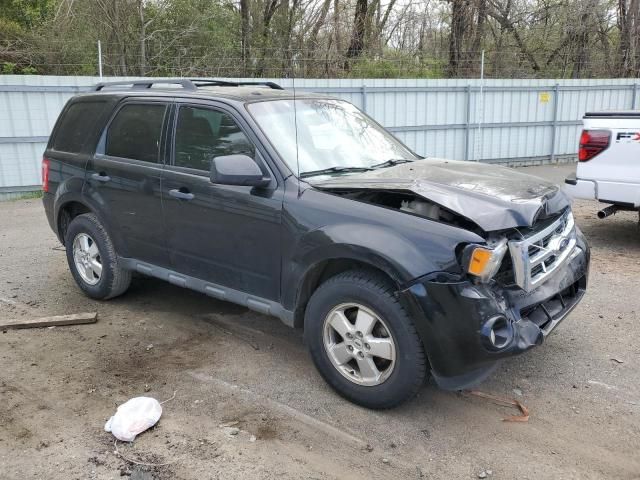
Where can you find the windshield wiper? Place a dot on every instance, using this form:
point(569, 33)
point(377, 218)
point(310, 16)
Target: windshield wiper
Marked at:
point(391, 162)
point(326, 171)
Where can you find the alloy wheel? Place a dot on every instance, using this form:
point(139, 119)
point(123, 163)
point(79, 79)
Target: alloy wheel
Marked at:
point(359, 344)
point(86, 257)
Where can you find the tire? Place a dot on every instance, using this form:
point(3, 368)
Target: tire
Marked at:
point(93, 247)
point(356, 295)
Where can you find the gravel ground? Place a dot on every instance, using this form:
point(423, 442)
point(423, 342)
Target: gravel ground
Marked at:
point(249, 403)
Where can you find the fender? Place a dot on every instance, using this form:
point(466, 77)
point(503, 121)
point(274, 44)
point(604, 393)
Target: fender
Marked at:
point(72, 191)
point(399, 257)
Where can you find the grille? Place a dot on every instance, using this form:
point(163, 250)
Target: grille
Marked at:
point(546, 313)
point(538, 255)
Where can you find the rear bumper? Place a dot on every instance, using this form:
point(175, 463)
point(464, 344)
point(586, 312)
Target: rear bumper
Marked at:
point(47, 202)
point(616, 193)
point(577, 188)
point(454, 318)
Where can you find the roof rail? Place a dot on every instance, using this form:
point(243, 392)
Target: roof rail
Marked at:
point(141, 84)
point(204, 82)
point(186, 83)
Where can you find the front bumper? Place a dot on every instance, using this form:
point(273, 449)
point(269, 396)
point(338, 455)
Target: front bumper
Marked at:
point(452, 318)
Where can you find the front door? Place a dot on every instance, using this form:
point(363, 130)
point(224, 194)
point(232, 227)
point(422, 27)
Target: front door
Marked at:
point(123, 178)
point(226, 235)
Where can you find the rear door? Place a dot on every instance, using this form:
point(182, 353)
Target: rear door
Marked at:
point(123, 178)
point(226, 235)
point(73, 136)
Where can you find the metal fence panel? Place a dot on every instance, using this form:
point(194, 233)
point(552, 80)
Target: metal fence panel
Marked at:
point(508, 120)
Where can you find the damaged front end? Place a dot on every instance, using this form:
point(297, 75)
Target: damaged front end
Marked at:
point(408, 202)
point(472, 322)
point(509, 291)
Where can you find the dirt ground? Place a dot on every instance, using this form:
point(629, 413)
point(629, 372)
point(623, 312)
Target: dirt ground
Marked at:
point(235, 369)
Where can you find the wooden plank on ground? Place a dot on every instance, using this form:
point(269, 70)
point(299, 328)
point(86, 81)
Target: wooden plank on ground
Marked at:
point(55, 321)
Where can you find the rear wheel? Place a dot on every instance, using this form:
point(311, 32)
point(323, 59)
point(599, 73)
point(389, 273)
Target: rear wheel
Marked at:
point(92, 259)
point(362, 340)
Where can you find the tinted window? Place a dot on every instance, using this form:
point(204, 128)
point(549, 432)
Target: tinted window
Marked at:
point(203, 134)
point(76, 125)
point(135, 132)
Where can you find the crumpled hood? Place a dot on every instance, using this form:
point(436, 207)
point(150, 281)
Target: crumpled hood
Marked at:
point(493, 197)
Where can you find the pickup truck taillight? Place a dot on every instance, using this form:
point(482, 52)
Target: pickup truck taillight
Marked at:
point(45, 174)
point(592, 142)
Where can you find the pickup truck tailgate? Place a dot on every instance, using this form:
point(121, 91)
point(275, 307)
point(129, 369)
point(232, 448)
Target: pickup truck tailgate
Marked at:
point(613, 175)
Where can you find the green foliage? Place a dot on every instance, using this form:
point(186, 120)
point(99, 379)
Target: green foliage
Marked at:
point(26, 13)
point(9, 30)
point(8, 68)
point(396, 66)
point(523, 38)
point(29, 195)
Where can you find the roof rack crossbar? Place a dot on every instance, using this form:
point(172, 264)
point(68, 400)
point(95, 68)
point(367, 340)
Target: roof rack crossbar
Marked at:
point(141, 84)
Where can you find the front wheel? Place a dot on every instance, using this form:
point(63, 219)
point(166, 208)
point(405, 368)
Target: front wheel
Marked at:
point(362, 340)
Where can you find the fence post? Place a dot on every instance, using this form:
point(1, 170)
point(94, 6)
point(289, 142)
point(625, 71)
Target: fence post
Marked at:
point(100, 59)
point(554, 123)
point(634, 97)
point(363, 91)
point(467, 124)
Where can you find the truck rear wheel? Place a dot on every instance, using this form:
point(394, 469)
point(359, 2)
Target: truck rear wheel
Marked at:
point(362, 340)
point(92, 259)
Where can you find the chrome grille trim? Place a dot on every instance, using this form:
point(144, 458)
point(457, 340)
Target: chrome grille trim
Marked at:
point(538, 255)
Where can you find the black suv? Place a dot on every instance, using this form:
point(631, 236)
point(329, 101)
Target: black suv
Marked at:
point(302, 207)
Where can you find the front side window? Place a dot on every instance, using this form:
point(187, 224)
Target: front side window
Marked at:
point(203, 134)
point(330, 134)
point(135, 132)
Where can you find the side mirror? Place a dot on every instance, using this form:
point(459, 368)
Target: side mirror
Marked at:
point(237, 170)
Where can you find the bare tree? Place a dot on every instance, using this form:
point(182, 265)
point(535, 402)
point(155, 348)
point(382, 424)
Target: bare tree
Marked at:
point(502, 11)
point(358, 34)
point(629, 27)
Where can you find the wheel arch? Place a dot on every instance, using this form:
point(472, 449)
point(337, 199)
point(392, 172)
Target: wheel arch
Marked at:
point(65, 215)
point(321, 271)
point(68, 207)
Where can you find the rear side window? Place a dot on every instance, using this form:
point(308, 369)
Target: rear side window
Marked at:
point(135, 132)
point(76, 125)
point(203, 134)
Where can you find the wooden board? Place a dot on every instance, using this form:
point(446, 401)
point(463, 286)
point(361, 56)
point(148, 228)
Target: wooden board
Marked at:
point(56, 321)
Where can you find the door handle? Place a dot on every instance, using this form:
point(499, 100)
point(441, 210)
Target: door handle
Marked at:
point(181, 195)
point(100, 177)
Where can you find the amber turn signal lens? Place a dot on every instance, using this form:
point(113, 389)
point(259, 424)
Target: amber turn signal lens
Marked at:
point(479, 261)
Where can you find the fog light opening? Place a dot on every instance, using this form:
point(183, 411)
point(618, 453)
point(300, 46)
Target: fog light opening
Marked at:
point(497, 332)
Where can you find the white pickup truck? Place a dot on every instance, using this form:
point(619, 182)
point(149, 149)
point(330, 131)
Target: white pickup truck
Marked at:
point(609, 161)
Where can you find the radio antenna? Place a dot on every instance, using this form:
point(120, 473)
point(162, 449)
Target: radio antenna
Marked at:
point(295, 124)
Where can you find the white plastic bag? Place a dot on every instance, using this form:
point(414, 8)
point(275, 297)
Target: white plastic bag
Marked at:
point(134, 417)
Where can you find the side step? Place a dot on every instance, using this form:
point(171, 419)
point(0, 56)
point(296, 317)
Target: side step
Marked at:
point(257, 304)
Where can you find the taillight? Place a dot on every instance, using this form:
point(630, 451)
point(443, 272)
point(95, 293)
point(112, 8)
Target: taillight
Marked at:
point(593, 142)
point(45, 174)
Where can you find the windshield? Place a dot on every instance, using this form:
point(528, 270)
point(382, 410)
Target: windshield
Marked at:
point(334, 137)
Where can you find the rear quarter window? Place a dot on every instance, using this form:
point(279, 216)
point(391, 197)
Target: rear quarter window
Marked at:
point(76, 125)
